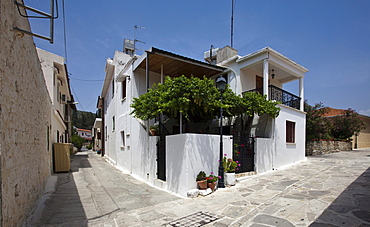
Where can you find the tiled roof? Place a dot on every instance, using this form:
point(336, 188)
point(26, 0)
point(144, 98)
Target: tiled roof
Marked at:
point(330, 112)
point(85, 130)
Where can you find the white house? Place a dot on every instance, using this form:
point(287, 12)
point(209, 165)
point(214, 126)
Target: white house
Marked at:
point(57, 82)
point(172, 160)
point(279, 141)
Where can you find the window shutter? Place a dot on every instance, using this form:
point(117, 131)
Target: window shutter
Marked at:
point(290, 132)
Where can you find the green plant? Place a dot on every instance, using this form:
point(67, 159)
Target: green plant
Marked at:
point(212, 178)
point(201, 176)
point(77, 141)
point(317, 127)
point(196, 99)
point(229, 165)
point(346, 125)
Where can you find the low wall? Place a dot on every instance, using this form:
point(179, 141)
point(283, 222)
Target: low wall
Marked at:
point(326, 147)
point(187, 154)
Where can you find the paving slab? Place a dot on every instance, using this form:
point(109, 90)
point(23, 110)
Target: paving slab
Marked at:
point(326, 190)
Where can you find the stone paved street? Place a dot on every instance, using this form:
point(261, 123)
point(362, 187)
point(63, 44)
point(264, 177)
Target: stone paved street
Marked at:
point(327, 190)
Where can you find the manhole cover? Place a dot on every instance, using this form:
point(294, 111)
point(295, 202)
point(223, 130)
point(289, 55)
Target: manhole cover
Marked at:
point(197, 219)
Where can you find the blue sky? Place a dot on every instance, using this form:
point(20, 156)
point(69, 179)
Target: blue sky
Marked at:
point(330, 38)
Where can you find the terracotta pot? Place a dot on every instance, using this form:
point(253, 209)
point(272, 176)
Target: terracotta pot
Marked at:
point(202, 185)
point(212, 185)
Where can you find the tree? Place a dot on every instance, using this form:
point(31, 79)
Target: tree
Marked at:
point(344, 126)
point(248, 105)
point(341, 127)
point(77, 140)
point(196, 99)
point(317, 126)
point(199, 100)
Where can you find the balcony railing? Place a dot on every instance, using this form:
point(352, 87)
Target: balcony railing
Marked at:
point(278, 94)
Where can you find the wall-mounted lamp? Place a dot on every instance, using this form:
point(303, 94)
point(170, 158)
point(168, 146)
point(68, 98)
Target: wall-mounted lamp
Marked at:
point(273, 74)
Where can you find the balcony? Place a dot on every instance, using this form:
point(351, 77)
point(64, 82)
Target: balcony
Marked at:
point(278, 94)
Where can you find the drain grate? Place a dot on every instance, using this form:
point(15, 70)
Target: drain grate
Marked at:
point(197, 219)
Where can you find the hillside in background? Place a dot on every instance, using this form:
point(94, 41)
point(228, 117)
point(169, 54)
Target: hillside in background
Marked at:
point(83, 119)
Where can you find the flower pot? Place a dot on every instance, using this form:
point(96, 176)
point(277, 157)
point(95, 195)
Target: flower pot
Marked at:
point(212, 185)
point(229, 178)
point(202, 185)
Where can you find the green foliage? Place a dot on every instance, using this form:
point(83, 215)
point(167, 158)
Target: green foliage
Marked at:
point(229, 165)
point(341, 127)
point(201, 176)
point(316, 124)
point(212, 178)
point(83, 119)
point(77, 141)
point(345, 126)
point(197, 99)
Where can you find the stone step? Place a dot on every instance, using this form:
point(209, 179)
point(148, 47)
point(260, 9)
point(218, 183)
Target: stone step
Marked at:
point(239, 175)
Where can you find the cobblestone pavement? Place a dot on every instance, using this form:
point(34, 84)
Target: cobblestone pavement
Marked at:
point(327, 190)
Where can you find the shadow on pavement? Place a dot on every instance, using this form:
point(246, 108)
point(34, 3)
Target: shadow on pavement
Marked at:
point(351, 208)
point(64, 207)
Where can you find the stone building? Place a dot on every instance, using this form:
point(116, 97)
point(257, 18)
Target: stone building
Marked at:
point(25, 110)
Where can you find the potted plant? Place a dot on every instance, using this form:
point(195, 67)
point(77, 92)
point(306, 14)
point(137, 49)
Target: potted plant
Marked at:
point(154, 130)
point(229, 170)
point(212, 181)
point(201, 180)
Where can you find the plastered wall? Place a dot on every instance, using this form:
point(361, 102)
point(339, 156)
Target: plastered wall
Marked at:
point(25, 110)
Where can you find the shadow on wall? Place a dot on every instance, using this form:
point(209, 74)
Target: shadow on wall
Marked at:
point(351, 208)
point(64, 207)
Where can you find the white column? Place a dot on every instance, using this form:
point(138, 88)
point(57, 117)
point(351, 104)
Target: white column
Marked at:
point(266, 78)
point(301, 93)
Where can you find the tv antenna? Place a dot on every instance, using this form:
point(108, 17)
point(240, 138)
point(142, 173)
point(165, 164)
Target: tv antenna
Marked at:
point(232, 22)
point(135, 38)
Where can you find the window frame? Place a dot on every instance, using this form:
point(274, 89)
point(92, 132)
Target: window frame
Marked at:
point(123, 90)
point(290, 136)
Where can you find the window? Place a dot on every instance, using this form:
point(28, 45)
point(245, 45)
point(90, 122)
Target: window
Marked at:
point(113, 124)
point(123, 89)
point(290, 132)
point(123, 138)
point(112, 87)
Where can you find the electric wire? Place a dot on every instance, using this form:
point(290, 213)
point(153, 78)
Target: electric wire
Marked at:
point(75, 95)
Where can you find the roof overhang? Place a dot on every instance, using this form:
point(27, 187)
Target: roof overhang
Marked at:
point(285, 69)
point(175, 65)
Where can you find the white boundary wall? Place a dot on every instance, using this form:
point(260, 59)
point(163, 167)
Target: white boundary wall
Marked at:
point(187, 154)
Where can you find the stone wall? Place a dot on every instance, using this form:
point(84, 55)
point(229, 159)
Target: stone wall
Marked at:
point(25, 111)
point(326, 147)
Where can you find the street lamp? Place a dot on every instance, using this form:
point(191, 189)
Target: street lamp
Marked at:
point(221, 86)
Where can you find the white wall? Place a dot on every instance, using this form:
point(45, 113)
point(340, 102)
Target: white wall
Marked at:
point(187, 154)
point(272, 153)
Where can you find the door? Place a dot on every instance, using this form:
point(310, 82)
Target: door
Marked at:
point(244, 153)
point(259, 84)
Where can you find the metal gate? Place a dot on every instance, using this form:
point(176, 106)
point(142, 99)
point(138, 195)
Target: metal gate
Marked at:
point(161, 152)
point(244, 153)
point(161, 158)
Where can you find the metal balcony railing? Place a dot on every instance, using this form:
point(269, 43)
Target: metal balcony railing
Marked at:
point(278, 94)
